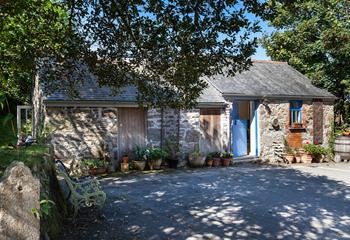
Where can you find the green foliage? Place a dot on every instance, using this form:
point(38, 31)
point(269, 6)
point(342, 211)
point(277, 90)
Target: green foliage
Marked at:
point(315, 149)
point(140, 153)
point(287, 148)
point(161, 47)
point(93, 163)
point(227, 155)
point(30, 31)
point(164, 47)
point(314, 37)
point(216, 154)
point(210, 156)
point(45, 207)
point(172, 147)
point(155, 153)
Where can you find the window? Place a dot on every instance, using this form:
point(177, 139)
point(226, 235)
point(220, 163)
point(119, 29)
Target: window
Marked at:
point(295, 112)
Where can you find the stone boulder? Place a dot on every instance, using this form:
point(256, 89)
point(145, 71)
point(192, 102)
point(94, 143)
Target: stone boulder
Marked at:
point(19, 194)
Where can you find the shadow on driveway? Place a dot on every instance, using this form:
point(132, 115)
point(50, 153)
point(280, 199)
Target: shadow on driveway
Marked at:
point(244, 202)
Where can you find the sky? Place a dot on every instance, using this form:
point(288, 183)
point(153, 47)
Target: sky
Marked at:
point(260, 52)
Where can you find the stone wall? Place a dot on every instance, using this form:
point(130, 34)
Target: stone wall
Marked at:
point(80, 132)
point(19, 194)
point(154, 124)
point(170, 124)
point(271, 140)
point(328, 121)
point(189, 132)
point(225, 128)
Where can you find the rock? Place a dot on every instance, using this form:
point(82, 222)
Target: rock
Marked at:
point(19, 194)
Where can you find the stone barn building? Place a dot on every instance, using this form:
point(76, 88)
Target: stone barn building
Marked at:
point(250, 114)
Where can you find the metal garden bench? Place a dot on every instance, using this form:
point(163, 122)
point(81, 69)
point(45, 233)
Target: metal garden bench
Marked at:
point(83, 192)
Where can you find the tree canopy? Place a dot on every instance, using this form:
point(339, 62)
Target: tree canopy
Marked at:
point(314, 37)
point(29, 30)
point(161, 47)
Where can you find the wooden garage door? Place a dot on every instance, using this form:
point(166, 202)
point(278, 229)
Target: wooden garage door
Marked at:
point(210, 126)
point(131, 129)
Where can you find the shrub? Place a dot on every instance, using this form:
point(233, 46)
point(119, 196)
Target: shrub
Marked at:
point(140, 153)
point(315, 149)
point(227, 155)
point(210, 156)
point(156, 153)
point(93, 163)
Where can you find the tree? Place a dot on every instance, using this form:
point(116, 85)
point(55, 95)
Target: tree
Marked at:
point(31, 31)
point(165, 47)
point(314, 37)
point(161, 47)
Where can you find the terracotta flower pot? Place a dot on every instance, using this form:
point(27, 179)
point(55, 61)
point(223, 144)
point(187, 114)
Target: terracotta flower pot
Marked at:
point(98, 171)
point(216, 162)
point(306, 158)
point(154, 164)
point(226, 162)
point(139, 165)
point(125, 159)
point(289, 158)
point(197, 161)
point(124, 167)
point(210, 162)
point(298, 158)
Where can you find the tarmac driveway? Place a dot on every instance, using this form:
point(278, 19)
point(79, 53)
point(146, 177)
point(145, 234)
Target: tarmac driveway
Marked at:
point(241, 202)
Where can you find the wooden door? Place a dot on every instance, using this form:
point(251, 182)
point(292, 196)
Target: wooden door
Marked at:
point(131, 122)
point(210, 126)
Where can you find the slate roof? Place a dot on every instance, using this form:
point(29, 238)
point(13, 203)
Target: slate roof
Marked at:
point(91, 91)
point(263, 79)
point(268, 79)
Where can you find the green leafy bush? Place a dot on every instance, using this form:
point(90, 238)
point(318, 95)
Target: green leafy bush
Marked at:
point(140, 153)
point(93, 163)
point(315, 149)
point(226, 155)
point(155, 153)
point(210, 156)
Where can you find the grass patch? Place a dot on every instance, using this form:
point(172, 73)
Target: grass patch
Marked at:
point(30, 156)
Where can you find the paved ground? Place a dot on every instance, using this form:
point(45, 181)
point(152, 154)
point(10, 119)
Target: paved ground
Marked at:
point(243, 202)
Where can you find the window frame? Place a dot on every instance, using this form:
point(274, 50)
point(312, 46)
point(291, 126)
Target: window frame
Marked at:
point(295, 113)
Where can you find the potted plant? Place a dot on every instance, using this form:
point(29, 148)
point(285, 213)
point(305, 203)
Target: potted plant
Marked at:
point(95, 166)
point(289, 153)
point(125, 157)
point(226, 159)
point(298, 154)
point(313, 151)
point(141, 158)
point(306, 157)
point(172, 148)
point(154, 157)
point(210, 160)
point(216, 159)
point(196, 159)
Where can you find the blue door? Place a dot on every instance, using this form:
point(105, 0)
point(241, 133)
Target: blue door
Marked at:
point(239, 133)
point(239, 137)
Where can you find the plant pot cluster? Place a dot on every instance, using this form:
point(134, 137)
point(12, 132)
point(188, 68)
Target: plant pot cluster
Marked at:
point(95, 166)
point(308, 154)
point(214, 159)
point(144, 157)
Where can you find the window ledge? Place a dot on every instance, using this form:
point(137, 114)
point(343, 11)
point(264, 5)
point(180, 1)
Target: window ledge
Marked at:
point(297, 129)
